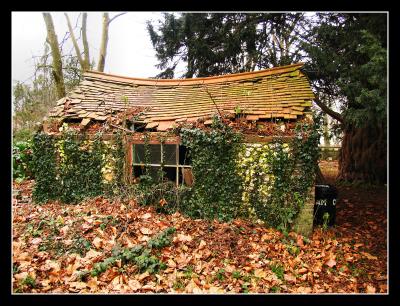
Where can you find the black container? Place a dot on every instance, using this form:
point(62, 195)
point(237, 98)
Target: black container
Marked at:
point(325, 202)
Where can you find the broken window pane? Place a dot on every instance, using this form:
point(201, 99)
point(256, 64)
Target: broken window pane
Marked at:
point(184, 156)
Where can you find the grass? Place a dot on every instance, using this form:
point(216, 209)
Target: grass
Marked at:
point(278, 270)
point(236, 274)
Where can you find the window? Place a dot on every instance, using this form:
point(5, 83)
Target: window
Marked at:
point(175, 160)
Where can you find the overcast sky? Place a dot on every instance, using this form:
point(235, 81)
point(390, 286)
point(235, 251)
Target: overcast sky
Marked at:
point(129, 52)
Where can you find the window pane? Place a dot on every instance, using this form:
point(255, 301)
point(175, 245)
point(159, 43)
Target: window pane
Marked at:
point(138, 153)
point(155, 154)
point(169, 154)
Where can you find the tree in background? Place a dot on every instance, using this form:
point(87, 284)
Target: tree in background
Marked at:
point(56, 73)
point(345, 57)
point(347, 63)
point(32, 101)
point(220, 43)
point(56, 55)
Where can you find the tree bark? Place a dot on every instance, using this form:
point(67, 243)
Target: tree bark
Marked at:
point(363, 154)
point(326, 131)
point(104, 42)
point(55, 52)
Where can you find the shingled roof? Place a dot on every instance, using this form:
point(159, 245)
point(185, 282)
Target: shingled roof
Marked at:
point(280, 92)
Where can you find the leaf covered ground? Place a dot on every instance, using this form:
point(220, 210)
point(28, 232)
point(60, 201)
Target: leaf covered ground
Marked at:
point(112, 247)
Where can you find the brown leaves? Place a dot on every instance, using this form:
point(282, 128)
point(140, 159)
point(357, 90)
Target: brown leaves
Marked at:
point(205, 257)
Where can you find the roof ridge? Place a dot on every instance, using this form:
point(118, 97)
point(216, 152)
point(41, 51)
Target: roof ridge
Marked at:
point(193, 81)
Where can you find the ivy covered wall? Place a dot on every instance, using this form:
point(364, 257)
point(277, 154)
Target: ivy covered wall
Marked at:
point(268, 182)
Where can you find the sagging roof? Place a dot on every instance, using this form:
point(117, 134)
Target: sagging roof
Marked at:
point(280, 92)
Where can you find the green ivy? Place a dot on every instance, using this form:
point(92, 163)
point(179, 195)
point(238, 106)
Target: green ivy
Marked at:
point(117, 187)
point(216, 192)
point(44, 166)
point(22, 160)
point(70, 172)
point(277, 176)
point(80, 169)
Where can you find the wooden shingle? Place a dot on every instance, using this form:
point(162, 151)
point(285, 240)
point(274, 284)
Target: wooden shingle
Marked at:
point(277, 92)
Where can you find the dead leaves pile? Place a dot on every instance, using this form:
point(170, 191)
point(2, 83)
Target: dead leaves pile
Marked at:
point(54, 244)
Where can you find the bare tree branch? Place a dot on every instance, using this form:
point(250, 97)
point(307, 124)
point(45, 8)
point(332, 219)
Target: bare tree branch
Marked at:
point(212, 99)
point(75, 43)
point(327, 110)
point(116, 16)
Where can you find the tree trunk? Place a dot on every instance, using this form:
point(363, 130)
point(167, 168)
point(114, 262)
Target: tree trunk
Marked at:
point(75, 43)
point(85, 43)
point(55, 53)
point(104, 41)
point(327, 142)
point(363, 154)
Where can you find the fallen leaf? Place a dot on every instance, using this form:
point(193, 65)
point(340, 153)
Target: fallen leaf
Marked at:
point(302, 270)
point(171, 263)
point(134, 284)
point(369, 256)
point(92, 254)
point(145, 231)
point(92, 283)
point(64, 230)
point(214, 289)
point(260, 273)
point(117, 280)
point(163, 202)
point(330, 262)
point(299, 241)
point(370, 289)
point(304, 290)
point(290, 278)
point(21, 275)
point(191, 287)
point(149, 286)
point(182, 238)
point(146, 216)
point(86, 227)
point(36, 240)
point(97, 242)
point(77, 285)
point(202, 244)
point(143, 276)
